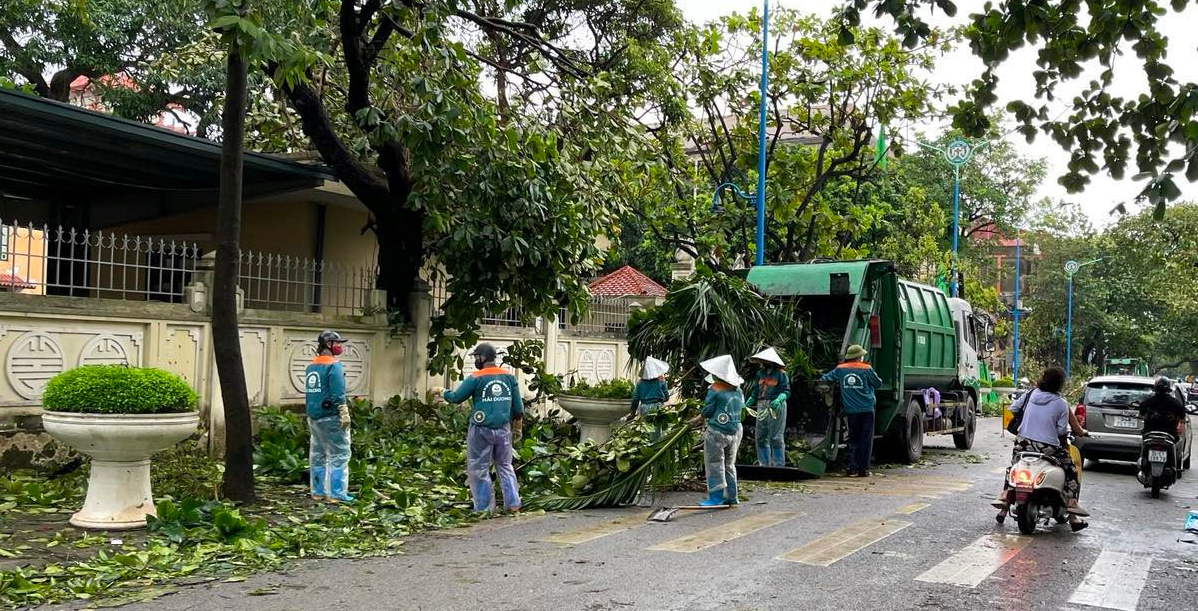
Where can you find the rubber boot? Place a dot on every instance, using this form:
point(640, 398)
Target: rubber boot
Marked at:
point(318, 482)
point(714, 499)
point(730, 497)
point(339, 486)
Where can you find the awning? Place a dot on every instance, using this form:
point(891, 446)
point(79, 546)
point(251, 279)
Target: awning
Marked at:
point(50, 151)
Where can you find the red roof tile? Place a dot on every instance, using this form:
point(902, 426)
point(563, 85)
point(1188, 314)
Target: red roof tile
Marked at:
point(625, 282)
point(10, 282)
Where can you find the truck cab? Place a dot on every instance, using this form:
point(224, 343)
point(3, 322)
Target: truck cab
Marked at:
point(972, 337)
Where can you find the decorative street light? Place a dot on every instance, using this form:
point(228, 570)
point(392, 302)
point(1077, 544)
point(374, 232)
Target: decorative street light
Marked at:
point(758, 198)
point(957, 153)
point(1071, 268)
point(1016, 309)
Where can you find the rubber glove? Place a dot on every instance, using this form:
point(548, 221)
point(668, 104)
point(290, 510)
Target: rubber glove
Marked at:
point(696, 422)
point(343, 413)
point(517, 430)
point(778, 402)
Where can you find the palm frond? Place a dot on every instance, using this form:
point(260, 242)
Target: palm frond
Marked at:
point(662, 466)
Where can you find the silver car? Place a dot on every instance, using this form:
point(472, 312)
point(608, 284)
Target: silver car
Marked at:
point(1109, 409)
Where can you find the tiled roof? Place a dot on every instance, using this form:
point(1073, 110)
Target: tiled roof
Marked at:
point(625, 282)
point(11, 282)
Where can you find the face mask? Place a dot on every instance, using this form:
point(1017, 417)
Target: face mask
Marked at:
point(335, 349)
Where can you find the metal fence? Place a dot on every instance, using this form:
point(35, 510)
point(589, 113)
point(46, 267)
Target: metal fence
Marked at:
point(65, 261)
point(109, 265)
point(606, 316)
point(278, 282)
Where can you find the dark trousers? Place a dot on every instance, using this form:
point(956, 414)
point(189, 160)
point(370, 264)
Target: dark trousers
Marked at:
point(861, 441)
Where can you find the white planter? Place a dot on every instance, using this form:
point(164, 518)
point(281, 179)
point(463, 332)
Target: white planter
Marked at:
point(120, 446)
point(595, 416)
point(1005, 390)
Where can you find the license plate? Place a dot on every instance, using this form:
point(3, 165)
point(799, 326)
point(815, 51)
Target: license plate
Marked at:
point(1025, 486)
point(1157, 455)
point(1127, 423)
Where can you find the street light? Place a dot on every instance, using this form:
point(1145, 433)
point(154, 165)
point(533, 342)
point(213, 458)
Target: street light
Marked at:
point(957, 153)
point(1016, 309)
point(1071, 268)
point(758, 198)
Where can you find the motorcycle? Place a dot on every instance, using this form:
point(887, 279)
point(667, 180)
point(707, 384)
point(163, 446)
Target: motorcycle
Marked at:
point(1038, 483)
point(1158, 461)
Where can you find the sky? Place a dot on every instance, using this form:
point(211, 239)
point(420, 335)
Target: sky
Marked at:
point(960, 66)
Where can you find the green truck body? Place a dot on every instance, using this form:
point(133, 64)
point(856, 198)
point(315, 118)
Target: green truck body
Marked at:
point(1126, 367)
point(917, 338)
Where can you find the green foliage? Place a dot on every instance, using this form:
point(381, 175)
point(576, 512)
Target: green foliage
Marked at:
point(528, 357)
point(1004, 383)
point(117, 389)
point(607, 389)
point(281, 447)
point(1074, 41)
point(714, 314)
point(821, 194)
point(616, 473)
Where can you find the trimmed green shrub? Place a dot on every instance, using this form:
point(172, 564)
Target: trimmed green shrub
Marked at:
point(1004, 383)
point(117, 389)
point(610, 389)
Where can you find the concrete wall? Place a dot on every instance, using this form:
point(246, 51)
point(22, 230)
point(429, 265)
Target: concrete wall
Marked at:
point(41, 336)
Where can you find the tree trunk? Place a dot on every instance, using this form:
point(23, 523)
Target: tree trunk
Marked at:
point(399, 237)
point(238, 484)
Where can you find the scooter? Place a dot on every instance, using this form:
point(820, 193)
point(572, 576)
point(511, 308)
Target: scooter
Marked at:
point(1158, 461)
point(1038, 484)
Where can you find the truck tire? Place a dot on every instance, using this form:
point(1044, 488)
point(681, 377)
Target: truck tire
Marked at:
point(908, 440)
point(964, 440)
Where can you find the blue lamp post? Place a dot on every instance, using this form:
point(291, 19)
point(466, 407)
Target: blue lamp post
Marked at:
point(1016, 310)
point(758, 198)
point(957, 153)
point(1071, 268)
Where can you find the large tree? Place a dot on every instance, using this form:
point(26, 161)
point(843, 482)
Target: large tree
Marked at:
point(826, 101)
point(130, 50)
point(491, 142)
point(1157, 130)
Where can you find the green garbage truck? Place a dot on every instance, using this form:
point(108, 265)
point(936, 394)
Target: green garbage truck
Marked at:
point(917, 337)
point(1125, 367)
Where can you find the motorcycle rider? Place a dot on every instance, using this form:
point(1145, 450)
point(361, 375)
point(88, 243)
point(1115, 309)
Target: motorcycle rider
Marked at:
point(1044, 429)
point(1162, 411)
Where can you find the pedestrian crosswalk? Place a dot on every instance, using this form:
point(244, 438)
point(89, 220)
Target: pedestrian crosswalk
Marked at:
point(842, 543)
point(976, 561)
point(1114, 581)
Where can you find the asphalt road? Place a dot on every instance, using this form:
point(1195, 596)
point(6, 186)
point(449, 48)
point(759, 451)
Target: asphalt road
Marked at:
point(912, 538)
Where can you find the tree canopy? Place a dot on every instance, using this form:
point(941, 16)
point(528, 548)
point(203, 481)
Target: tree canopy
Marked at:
point(1157, 130)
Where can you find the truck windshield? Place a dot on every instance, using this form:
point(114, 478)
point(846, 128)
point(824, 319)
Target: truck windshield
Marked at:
point(1116, 393)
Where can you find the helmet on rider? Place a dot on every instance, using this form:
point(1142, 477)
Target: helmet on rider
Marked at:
point(483, 354)
point(331, 341)
point(1162, 385)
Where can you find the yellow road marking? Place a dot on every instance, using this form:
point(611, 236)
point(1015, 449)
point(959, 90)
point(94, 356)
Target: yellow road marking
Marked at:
point(725, 532)
point(843, 543)
point(911, 482)
point(975, 562)
point(888, 488)
point(910, 509)
point(595, 531)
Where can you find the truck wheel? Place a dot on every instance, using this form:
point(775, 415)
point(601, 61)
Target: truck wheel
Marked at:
point(909, 441)
point(964, 440)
